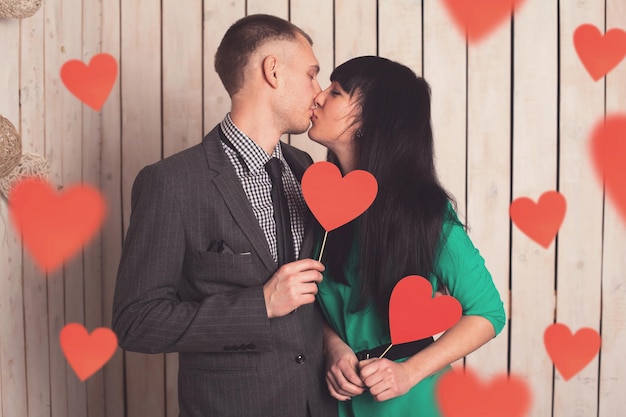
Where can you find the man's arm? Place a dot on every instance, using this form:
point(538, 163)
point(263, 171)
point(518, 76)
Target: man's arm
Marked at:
point(148, 315)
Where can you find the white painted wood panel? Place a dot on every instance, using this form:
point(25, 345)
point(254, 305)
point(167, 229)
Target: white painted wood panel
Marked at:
point(579, 251)
point(35, 293)
point(400, 32)
point(534, 172)
point(12, 354)
point(445, 64)
point(612, 401)
point(141, 145)
point(111, 187)
point(316, 19)
point(488, 174)
point(355, 29)
point(218, 17)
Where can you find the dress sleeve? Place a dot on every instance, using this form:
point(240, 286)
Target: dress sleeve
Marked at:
point(462, 269)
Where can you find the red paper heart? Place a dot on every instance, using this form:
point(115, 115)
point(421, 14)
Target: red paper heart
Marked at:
point(571, 353)
point(462, 394)
point(608, 149)
point(87, 353)
point(91, 83)
point(333, 200)
point(55, 227)
point(478, 18)
point(542, 221)
point(599, 54)
point(415, 315)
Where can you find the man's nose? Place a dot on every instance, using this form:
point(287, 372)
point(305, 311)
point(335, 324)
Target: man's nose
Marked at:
point(319, 99)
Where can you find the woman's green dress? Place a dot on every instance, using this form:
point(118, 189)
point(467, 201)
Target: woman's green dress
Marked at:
point(461, 268)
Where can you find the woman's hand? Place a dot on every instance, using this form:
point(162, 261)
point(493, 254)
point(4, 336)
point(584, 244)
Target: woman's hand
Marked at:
point(386, 379)
point(342, 375)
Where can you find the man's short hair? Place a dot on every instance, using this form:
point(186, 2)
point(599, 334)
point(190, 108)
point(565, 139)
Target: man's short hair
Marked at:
point(242, 39)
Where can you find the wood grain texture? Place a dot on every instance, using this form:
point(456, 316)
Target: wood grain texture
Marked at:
point(579, 252)
point(611, 400)
point(488, 173)
point(535, 161)
point(142, 131)
point(12, 349)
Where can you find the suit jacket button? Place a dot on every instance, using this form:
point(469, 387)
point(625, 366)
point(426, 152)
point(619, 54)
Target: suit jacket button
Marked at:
point(251, 346)
point(300, 359)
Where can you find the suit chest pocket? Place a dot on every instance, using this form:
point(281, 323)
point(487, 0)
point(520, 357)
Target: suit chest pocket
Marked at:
point(214, 272)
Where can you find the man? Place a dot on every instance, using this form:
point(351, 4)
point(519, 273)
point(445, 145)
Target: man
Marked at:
point(199, 272)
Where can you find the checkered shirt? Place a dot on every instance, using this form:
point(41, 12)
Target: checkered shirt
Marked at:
point(249, 162)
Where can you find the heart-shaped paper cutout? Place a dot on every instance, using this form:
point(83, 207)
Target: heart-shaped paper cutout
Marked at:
point(55, 226)
point(542, 221)
point(87, 353)
point(462, 394)
point(571, 353)
point(333, 200)
point(599, 54)
point(414, 314)
point(478, 18)
point(91, 83)
point(608, 150)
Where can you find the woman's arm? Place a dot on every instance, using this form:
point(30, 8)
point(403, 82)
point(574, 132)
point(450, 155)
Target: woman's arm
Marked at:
point(387, 379)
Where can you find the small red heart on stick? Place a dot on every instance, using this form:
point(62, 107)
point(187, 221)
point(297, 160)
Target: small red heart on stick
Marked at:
point(608, 150)
point(415, 315)
point(599, 54)
point(571, 353)
point(55, 227)
point(333, 200)
point(87, 353)
point(542, 221)
point(462, 394)
point(91, 83)
point(478, 18)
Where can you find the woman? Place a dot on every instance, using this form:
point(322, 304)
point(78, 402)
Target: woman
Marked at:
point(375, 116)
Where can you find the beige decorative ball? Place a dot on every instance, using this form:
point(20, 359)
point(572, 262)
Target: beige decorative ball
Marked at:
point(10, 146)
point(18, 9)
point(31, 165)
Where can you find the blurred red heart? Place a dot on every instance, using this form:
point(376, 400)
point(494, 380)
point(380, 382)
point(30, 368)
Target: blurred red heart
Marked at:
point(87, 353)
point(608, 150)
point(542, 221)
point(478, 18)
point(599, 54)
point(333, 200)
point(571, 353)
point(91, 83)
point(415, 315)
point(462, 394)
point(55, 227)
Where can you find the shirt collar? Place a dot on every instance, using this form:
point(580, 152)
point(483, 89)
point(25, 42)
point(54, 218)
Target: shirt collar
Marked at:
point(251, 154)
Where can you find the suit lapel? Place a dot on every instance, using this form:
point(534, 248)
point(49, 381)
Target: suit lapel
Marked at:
point(229, 186)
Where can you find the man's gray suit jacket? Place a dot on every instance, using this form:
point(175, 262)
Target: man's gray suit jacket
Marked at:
point(173, 295)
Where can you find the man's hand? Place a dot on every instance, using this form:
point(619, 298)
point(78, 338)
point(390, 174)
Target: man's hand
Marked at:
point(293, 285)
point(342, 375)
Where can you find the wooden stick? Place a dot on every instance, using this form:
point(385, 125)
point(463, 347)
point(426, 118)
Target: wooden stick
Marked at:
point(386, 350)
point(322, 249)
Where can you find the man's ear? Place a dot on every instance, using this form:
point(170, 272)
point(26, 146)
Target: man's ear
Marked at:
point(270, 68)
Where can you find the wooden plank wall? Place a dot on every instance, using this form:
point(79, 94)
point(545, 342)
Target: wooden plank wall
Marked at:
point(511, 116)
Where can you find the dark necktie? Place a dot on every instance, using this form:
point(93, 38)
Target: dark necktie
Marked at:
point(284, 238)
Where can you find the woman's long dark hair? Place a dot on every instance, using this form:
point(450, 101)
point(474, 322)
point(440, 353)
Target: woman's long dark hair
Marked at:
point(400, 233)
